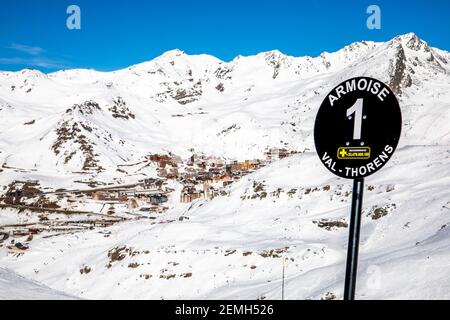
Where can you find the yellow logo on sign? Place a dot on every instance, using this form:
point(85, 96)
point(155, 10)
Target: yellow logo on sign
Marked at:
point(353, 153)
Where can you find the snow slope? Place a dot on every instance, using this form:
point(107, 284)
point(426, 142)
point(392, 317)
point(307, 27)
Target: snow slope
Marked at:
point(15, 287)
point(232, 247)
point(72, 125)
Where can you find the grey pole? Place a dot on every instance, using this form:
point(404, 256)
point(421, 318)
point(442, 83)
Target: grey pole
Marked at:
point(282, 283)
point(353, 239)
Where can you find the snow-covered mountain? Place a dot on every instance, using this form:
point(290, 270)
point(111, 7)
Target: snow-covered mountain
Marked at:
point(86, 120)
point(74, 125)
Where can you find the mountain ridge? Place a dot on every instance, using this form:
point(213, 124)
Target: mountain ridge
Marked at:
point(174, 53)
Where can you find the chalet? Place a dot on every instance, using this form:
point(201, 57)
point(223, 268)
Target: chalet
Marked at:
point(186, 181)
point(223, 178)
point(209, 191)
point(189, 194)
point(156, 209)
point(277, 154)
point(283, 153)
point(217, 165)
point(153, 183)
point(109, 196)
point(248, 165)
point(205, 178)
point(271, 154)
point(165, 160)
point(202, 165)
point(235, 166)
point(215, 162)
point(191, 170)
point(171, 176)
point(215, 171)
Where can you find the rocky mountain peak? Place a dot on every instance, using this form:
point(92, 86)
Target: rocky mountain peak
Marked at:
point(411, 41)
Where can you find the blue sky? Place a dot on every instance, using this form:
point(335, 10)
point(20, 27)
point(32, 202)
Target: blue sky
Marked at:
point(115, 34)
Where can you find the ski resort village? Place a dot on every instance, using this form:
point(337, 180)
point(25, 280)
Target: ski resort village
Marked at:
point(190, 177)
point(199, 177)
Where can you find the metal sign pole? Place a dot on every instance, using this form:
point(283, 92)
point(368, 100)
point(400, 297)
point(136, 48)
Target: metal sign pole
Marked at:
point(353, 240)
point(282, 284)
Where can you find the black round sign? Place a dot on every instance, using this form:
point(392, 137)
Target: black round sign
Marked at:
point(357, 127)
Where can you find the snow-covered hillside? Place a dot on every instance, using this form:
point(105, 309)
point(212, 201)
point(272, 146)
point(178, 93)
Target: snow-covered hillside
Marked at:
point(15, 287)
point(74, 127)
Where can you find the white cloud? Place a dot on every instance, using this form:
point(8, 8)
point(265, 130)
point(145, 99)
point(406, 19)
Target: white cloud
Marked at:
point(35, 58)
point(35, 62)
point(34, 51)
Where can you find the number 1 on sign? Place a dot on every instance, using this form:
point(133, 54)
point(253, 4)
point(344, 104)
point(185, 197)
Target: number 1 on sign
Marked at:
point(356, 109)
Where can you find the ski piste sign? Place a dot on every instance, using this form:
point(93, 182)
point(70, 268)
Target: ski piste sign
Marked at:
point(357, 127)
